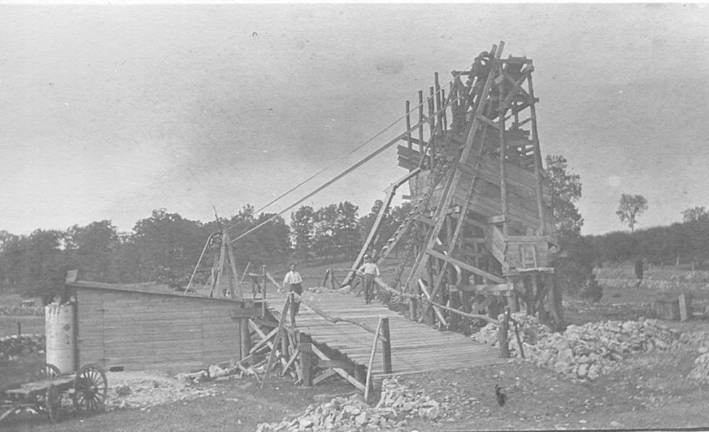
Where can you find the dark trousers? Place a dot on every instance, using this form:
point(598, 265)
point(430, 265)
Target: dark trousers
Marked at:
point(368, 287)
point(295, 304)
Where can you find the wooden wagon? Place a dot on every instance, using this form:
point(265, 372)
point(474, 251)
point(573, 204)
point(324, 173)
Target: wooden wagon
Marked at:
point(47, 389)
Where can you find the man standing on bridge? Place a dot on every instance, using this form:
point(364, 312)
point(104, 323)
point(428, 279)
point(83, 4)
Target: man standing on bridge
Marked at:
point(293, 282)
point(369, 271)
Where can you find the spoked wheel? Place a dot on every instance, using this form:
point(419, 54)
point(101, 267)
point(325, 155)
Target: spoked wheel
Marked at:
point(46, 371)
point(90, 387)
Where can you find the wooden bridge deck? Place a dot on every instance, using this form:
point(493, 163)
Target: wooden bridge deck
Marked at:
point(414, 347)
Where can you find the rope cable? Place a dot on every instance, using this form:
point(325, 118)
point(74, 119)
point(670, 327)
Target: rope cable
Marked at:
point(337, 177)
point(289, 191)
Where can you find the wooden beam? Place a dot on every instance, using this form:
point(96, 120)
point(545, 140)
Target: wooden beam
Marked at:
point(391, 191)
point(343, 373)
point(386, 345)
point(323, 376)
point(465, 266)
point(372, 353)
point(435, 309)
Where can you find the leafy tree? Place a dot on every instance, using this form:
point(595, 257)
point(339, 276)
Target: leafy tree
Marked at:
point(43, 266)
point(324, 241)
point(574, 266)
point(695, 214)
point(629, 208)
point(347, 230)
point(93, 248)
point(168, 247)
point(303, 231)
point(566, 191)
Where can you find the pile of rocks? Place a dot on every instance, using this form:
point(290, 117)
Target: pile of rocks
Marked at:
point(588, 351)
point(13, 348)
point(22, 309)
point(351, 414)
point(700, 371)
point(142, 390)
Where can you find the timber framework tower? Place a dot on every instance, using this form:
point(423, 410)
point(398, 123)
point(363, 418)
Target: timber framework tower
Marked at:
point(479, 232)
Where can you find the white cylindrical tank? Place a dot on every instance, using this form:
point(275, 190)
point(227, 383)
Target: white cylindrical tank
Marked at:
point(59, 331)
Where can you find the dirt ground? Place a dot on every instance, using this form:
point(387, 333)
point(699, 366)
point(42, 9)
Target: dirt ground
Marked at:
point(649, 390)
point(237, 406)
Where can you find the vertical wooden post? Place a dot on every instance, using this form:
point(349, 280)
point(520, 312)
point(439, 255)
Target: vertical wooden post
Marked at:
point(421, 142)
point(454, 302)
point(537, 158)
point(503, 337)
point(444, 119)
point(432, 126)
point(535, 294)
point(306, 361)
point(327, 275)
point(413, 313)
point(263, 304)
point(220, 269)
point(685, 312)
point(333, 281)
point(386, 346)
point(19, 329)
point(439, 115)
point(234, 280)
point(503, 179)
point(408, 124)
point(284, 342)
point(244, 337)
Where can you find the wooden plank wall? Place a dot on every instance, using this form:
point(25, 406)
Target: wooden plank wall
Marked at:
point(143, 331)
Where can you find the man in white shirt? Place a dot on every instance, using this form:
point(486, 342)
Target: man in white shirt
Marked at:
point(293, 282)
point(369, 271)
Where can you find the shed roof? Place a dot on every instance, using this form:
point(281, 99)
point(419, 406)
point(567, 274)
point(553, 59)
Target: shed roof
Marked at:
point(149, 288)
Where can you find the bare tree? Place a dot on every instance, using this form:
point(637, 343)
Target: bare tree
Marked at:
point(629, 208)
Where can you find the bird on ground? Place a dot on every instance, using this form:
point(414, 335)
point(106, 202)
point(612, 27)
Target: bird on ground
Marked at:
point(500, 395)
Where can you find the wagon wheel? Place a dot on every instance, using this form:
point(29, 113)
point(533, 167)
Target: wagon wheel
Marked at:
point(46, 371)
point(52, 403)
point(90, 387)
point(43, 372)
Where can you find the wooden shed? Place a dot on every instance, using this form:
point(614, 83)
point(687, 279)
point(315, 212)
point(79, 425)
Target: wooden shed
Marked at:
point(137, 327)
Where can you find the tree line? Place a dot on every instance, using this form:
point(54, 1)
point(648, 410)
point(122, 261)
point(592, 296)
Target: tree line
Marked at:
point(682, 243)
point(166, 246)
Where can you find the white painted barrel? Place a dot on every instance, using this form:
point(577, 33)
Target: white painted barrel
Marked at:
point(59, 331)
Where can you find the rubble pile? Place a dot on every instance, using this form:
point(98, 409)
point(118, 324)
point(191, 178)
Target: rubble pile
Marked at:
point(15, 347)
point(142, 390)
point(351, 414)
point(700, 371)
point(584, 352)
point(21, 309)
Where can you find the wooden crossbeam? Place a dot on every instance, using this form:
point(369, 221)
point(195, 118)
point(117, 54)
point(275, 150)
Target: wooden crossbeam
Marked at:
point(327, 373)
point(465, 266)
point(265, 338)
point(281, 325)
point(435, 309)
point(343, 373)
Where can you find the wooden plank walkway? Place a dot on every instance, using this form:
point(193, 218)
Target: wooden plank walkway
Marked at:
point(414, 347)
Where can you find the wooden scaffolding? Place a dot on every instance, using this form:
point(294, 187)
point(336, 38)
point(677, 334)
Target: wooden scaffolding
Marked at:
point(479, 234)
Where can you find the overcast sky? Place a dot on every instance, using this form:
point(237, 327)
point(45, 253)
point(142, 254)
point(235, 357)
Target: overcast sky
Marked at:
point(107, 112)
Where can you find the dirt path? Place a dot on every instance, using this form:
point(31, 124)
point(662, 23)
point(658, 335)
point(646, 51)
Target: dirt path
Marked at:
point(238, 406)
